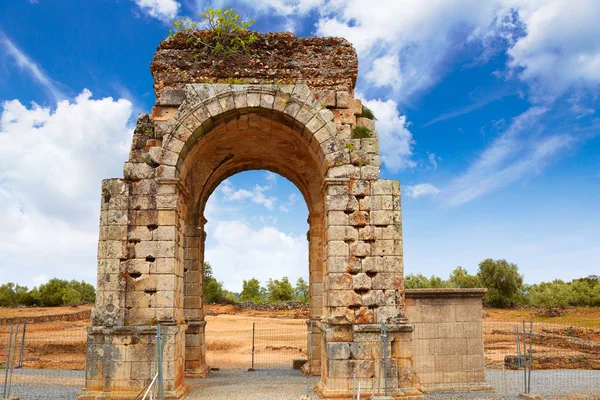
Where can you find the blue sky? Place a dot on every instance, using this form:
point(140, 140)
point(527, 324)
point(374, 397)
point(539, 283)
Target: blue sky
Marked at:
point(487, 114)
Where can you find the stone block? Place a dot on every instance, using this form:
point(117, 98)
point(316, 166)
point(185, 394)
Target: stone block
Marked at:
point(337, 218)
point(336, 333)
point(360, 187)
point(370, 172)
point(384, 281)
point(359, 218)
point(366, 233)
point(366, 122)
point(336, 248)
point(326, 97)
point(361, 281)
point(372, 264)
point(356, 106)
point(360, 249)
point(342, 99)
point(386, 248)
point(339, 281)
point(390, 232)
point(340, 315)
point(374, 298)
point(338, 351)
point(137, 171)
point(343, 116)
point(343, 298)
point(370, 145)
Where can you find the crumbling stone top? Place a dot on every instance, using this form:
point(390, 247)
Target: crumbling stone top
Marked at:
point(323, 63)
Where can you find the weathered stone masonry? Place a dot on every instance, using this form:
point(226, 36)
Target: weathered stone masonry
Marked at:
point(295, 117)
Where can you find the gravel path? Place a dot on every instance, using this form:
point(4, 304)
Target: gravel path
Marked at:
point(44, 384)
point(291, 385)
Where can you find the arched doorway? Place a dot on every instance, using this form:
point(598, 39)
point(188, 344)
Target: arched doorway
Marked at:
point(241, 139)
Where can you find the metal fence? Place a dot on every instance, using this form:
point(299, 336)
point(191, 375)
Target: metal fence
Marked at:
point(47, 360)
point(543, 358)
point(44, 360)
point(276, 346)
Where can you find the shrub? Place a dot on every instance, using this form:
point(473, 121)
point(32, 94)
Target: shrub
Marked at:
point(361, 132)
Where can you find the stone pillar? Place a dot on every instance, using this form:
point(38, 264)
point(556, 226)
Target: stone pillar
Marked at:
point(195, 351)
point(140, 276)
point(315, 280)
point(363, 284)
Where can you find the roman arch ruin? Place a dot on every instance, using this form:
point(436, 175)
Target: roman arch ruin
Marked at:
point(289, 107)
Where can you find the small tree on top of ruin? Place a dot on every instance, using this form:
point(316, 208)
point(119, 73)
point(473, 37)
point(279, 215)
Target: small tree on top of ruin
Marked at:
point(228, 33)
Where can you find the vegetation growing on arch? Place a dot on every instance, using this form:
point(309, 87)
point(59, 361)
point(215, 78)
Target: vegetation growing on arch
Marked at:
point(229, 34)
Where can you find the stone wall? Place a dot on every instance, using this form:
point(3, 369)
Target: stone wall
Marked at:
point(447, 345)
point(557, 361)
point(325, 64)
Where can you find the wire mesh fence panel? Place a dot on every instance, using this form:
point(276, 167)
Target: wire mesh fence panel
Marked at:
point(46, 360)
point(543, 358)
point(277, 346)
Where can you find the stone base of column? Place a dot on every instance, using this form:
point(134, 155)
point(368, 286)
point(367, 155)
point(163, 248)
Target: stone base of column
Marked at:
point(195, 357)
point(121, 362)
point(352, 355)
point(200, 372)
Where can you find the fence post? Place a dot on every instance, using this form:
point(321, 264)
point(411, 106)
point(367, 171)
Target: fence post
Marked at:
point(7, 361)
point(161, 384)
point(20, 365)
point(385, 374)
point(11, 363)
point(310, 338)
point(530, 355)
point(253, 333)
point(525, 356)
point(518, 346)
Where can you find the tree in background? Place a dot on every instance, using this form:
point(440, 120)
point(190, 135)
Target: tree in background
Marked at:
point(301, 291)
point(212, 290)
point(419, 281)
point(251, 291)
point(280, 291)
point(503, 282)
point(460, 278)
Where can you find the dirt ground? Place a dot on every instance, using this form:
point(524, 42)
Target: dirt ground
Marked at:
point(279, 336)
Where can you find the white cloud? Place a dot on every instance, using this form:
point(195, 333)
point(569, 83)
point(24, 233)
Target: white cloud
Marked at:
point(432, 160)
point(395, 139)
point(256, 195)
point(240, 251)
point(163, 10)
point(551, 44)
point(385, 71)
point(28, 65)
point(517, 153)
point(561, 49)
point(420, 190)
point(51, 165)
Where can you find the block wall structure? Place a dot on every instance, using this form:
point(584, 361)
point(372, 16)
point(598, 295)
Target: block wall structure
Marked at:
point(447, 341)
point(287, 106)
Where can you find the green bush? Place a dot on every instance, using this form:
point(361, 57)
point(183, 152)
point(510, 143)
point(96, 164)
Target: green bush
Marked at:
point(251, 291)
point(301, 291)
point(361, 132)
point(503, 282)
point(367, 113)
point(280, 291)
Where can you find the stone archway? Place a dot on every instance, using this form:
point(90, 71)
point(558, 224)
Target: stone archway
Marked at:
point(259, 135)
point(152, 226)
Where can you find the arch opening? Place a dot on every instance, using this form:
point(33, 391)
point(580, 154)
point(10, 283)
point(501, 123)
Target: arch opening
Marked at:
point(243, 142)
point(256, 231)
